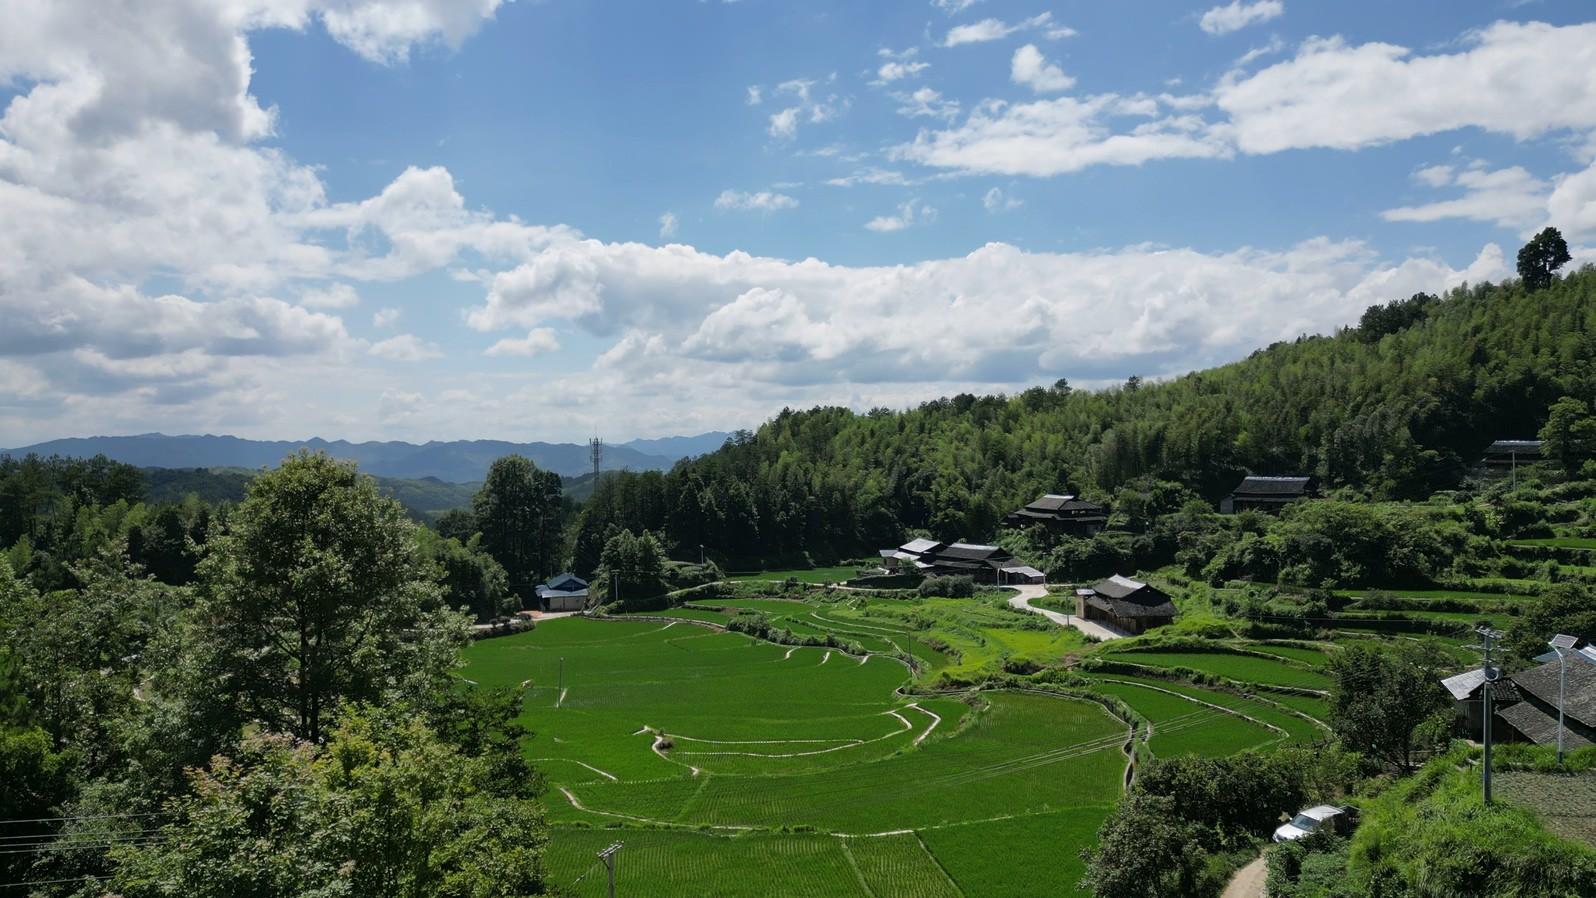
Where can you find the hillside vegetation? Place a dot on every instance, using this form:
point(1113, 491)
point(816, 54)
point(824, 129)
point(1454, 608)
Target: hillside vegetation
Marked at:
point(1397, 407)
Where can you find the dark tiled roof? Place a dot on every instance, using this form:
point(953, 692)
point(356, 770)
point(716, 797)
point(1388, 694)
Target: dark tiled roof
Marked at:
point(1051, 502)
point(1118, 587)
point(1124, 597)
point(1054, 505)
point(1538, 726)
point(1581, 688)
point(970, 552)
point(1520, 447)
point(1272, 486)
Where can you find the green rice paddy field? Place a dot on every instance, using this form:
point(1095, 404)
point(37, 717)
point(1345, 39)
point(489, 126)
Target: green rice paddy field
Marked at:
point(730, 766)
point(696, 748)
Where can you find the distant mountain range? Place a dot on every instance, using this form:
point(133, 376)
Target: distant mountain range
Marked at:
point(458, 461)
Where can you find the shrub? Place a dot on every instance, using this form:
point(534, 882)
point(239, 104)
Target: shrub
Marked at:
point(951, 587)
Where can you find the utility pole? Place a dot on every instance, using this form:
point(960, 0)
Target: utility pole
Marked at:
point(559, 695)
point(1491, 675)
point(1559, 644)
point(608, 857)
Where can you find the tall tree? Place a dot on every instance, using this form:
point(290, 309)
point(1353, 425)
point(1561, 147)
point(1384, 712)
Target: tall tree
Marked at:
point(318, 595)
point(1570, 432)
point(632, 568)
point(518, 511)
point(1541, 257)
point(1385, 699)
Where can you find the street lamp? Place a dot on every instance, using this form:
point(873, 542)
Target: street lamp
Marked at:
point(1560, 643)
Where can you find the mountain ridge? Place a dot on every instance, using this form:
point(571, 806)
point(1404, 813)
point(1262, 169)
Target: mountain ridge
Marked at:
point(452, 461)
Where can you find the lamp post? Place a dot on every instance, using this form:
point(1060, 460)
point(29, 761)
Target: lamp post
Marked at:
point(1560, 643)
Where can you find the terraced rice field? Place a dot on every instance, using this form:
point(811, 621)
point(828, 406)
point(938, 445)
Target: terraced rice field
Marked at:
point(1182, 726)
point(1241, 668)
point(835, 574)
point(695, 746)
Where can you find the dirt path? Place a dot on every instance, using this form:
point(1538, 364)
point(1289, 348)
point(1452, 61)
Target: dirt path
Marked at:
point(1022, 600)
point(1248, 881)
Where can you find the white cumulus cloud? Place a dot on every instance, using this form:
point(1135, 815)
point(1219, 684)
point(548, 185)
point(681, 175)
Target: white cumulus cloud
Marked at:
point(1030, 68)
point(1237, 15)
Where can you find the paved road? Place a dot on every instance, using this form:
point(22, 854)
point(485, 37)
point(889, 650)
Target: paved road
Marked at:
point(1249, 881)
point(1022, 600)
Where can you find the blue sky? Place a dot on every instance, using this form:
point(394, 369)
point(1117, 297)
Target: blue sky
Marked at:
point(539, 220)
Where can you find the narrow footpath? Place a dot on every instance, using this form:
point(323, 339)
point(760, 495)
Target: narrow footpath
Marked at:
point(1249, 881)
point(1022, 600)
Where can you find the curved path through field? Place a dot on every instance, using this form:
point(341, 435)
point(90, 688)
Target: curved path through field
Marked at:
point(1022, 600)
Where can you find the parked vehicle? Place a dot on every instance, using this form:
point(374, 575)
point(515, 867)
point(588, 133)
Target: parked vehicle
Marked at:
point(1312, 820)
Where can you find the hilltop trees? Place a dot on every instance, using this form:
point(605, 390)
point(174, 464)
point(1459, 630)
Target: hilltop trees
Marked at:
point(518, 512)
point(1541, 257)
point(318, 595)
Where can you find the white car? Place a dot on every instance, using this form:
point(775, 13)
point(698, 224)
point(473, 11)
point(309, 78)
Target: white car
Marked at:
point(1308, 822)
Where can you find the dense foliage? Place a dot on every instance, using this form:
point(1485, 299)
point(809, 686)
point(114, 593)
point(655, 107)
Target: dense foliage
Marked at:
point(211, 738)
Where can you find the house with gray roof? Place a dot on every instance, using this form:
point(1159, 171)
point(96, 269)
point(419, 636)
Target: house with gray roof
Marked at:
point(1266, 493)
point(1129, 605)
point(1062, 513)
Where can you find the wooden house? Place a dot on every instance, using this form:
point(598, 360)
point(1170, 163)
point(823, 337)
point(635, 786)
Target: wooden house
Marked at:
point(1129, 605)
point(1266, 493)
point(1061, 512)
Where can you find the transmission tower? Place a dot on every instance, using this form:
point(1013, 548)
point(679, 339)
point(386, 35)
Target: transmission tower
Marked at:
point(595, 450)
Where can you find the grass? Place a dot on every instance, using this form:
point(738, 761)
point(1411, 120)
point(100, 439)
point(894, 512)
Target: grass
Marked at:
point(1023, 753)
point(1018, 857)
point(835, 574)
point(1315, 657)
point(1558, 542)
point(1185, 727)
point(663, 862)
point(1459, 594)
point(1241, 668)
point(1258, 707)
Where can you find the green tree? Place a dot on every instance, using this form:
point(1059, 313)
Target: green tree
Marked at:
point(518, 511)
point(1387, 703)
point(632, 569)
point(472, 578)
point(1146, 850)
point(1562, 608)
point(1541, 257)
point(318, 595)
point(1570, 432)
point(383, 810)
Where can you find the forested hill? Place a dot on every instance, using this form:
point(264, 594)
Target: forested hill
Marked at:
point(1395, 407)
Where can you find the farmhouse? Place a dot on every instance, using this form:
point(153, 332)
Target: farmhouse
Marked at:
point(1525, 704)
point(1130, 605)
point(992, 564)
point(563, 592)
point(1265, 493)
point(1503, 456)
point(1061, 512)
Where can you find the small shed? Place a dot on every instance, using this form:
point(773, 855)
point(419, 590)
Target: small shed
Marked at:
point(1130, 605)
point(563, 592)
point(1266, 493)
